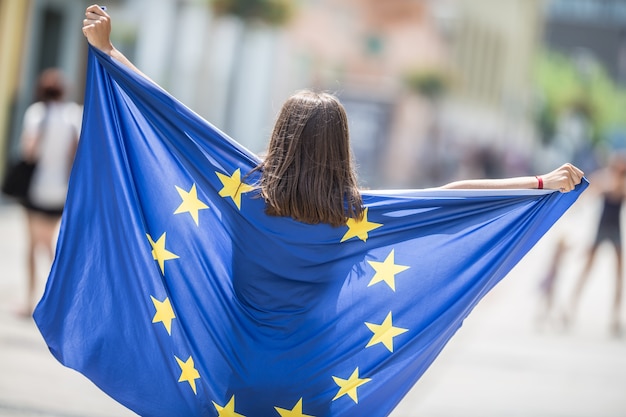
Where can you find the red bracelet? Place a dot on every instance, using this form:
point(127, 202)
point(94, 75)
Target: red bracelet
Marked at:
point(539, 182)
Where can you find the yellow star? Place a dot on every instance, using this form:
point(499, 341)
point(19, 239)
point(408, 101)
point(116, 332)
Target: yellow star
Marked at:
point(188, 372)
point(349, 386)
point(384, 333)
point(191, 204)
point(233, 187)
point(164, 313)
point(359, 228)
point(159, 253)
point(296, 411)
point(228, 410)
point(386, 271)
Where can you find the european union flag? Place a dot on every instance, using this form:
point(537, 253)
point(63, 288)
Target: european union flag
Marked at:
point(177, 295)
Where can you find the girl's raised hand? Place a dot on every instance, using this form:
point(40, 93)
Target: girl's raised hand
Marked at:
point(97, 28)
point(564, 178)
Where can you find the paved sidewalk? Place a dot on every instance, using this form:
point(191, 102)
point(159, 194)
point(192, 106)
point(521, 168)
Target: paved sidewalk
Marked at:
point(500, 364)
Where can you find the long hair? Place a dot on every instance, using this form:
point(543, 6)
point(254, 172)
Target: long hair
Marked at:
point(308, 171)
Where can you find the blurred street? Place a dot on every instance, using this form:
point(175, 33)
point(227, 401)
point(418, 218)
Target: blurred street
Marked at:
point(501, 363)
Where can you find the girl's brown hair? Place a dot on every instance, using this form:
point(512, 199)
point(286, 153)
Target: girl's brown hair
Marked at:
point(307, 173)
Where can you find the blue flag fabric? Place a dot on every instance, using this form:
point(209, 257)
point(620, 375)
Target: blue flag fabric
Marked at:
point(175, 294)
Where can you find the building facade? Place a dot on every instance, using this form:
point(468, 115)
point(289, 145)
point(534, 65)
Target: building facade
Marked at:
point(471, 59)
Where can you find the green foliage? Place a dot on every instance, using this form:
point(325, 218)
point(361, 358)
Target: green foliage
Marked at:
point(564, 86)
point(429, 83)
point(273, 12)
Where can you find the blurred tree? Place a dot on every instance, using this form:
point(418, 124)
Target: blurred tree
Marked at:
point(564, 85)
point(432, 84)
point(273, 12)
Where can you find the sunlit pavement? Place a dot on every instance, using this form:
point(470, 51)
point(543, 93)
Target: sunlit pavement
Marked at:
point(502, 362)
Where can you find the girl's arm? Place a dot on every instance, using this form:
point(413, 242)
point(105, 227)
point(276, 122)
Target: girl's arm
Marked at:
point(564, 179)
point(97, 30)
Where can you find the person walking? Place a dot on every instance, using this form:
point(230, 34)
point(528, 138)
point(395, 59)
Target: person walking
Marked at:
point(610, 184)
point(50, 132)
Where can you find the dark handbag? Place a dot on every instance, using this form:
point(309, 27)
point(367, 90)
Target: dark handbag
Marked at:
point(17, 179)
point(18, 176)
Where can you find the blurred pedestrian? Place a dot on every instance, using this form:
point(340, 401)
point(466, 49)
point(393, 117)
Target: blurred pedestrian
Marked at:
point(49, 137)
point(610, 183)
point(547, 286)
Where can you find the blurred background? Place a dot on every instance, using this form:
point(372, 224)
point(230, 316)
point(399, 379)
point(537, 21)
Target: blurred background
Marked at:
point(435, 90)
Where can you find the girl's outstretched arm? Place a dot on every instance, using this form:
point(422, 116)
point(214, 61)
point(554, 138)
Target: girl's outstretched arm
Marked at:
point(564, 179)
